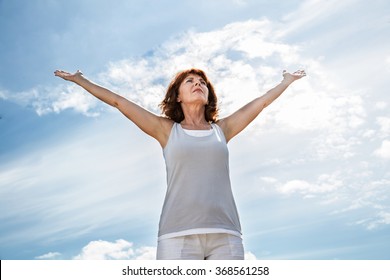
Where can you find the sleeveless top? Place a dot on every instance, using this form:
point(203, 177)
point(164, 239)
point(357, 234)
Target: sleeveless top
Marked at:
point(199, 197)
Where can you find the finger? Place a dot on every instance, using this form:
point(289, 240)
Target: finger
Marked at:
point(300, 72)
point(59, 72)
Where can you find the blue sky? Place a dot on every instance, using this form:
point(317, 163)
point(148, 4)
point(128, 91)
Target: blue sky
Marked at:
point(311, 175)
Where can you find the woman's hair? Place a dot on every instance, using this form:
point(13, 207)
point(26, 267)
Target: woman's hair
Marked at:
point(171, 108)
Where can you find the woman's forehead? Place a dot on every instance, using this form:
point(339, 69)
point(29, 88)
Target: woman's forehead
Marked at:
point(193, 75)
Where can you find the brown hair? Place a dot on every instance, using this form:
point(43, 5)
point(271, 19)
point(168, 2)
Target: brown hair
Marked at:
point(172, 109)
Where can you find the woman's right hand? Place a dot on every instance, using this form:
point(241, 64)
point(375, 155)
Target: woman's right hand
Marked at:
point(68, 76)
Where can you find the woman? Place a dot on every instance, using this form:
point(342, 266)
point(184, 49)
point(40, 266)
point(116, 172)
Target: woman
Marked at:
point(199, 219)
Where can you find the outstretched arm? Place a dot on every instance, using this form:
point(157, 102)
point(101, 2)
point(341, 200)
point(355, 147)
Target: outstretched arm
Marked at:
point(155, 126)
point(235, 123)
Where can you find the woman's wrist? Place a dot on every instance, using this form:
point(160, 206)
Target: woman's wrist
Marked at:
point(286, 82)
point(79, 79)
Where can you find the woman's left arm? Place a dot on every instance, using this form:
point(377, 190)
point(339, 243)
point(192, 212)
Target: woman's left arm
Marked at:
point(236, 122)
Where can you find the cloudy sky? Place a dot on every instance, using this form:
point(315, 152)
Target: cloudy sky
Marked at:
point(311, 175)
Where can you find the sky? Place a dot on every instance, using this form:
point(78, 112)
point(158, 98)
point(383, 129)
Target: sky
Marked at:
point(310, 175)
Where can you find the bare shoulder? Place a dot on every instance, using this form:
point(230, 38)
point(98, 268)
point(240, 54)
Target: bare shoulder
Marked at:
point(166, 124)
point(223, 124)
point(164, 130)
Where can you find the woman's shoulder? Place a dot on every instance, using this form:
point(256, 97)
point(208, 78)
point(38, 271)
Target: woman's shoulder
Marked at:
point(222, 125)
point(166, 123)
point(166, 126)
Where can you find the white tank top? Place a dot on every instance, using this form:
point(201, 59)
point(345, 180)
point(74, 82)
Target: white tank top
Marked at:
point(199, 198)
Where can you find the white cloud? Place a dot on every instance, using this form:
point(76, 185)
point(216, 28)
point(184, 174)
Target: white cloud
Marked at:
point(269, 180)
point(380, 219)
point(72, 98)
point(250, 256)
point(49, 256)
point(388, 61)
point(105, 250)
point(296, 186)
point(384, 218)
point(384, 126)
point(240, 2)
point(3, 94)
point(45, 100)
point(145, 253)
point(118, 250)
point(384, 150)
point(381, 105)
point(324, 184)
point(312, 13)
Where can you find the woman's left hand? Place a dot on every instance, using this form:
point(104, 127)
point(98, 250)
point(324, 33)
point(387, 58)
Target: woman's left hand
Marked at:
point(288, 78)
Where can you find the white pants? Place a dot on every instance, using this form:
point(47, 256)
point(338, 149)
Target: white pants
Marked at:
point(211, 246)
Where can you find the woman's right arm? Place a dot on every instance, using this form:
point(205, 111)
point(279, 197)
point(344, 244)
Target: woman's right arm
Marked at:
point(156, 126)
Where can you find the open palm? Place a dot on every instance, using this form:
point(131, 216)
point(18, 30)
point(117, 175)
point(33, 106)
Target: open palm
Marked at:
point(291, 77)
point(66, 75)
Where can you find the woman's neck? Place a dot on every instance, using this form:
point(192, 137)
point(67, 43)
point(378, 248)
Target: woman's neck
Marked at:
point(194, 118)
point(195, 122)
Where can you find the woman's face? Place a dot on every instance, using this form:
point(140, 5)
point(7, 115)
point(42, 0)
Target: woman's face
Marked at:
point(193, 90)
